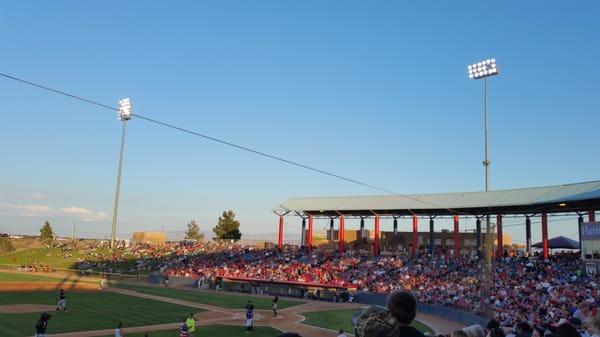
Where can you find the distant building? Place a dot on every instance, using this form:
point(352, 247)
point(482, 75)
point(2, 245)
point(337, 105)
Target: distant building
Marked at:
point(151, 238)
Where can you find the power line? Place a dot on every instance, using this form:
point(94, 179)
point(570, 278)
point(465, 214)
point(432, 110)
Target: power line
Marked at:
point(260, 153)
point(168, 125)
point(240, 147)
point(58, 92)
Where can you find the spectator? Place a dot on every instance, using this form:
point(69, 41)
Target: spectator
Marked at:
point(496, 332)
point(403, 307)
point(458, 333)
point(492, 323)
point(524, 329)
point(474, 331)
point(567, 330)
point(582, 312)
point(576, 322)
point(376, 321)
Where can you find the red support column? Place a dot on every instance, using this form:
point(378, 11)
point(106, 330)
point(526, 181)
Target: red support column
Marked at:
point(456, 242)
point(591, 216)
point(500, 238)
point(309, 239)
point(341, 234)
point(415, 239)
point(376, 241)
point(280, 242)
point(545, 235)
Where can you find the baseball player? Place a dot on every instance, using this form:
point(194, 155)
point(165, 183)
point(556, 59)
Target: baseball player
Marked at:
point(119, 330)
point(183, 329)
point(191, 324)
point(249, 316)
point(41, 325)
point(274, 305)
point(62, 302)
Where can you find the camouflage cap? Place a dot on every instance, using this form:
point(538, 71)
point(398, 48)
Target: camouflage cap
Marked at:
point(376, 321)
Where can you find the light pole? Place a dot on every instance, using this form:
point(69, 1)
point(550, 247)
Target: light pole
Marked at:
point(483, 70)
point(477, 71)
point(73, 236)
point(124, 116)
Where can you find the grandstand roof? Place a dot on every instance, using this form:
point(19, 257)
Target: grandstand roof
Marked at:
point(577, 197)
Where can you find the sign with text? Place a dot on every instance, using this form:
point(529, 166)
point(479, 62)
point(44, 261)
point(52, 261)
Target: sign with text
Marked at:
point(590, 242)
point(590, 231)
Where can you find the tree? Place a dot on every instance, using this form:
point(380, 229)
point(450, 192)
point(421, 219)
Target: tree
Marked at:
point(46, 233)
point(6, 245)
point(228, 228)
point(193, 232)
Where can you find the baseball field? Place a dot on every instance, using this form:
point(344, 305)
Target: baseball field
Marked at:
point(143, 308)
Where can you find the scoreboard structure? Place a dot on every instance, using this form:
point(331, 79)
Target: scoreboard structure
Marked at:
point(590, 247)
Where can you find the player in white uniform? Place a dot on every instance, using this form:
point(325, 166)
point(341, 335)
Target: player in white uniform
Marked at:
point(119, 330)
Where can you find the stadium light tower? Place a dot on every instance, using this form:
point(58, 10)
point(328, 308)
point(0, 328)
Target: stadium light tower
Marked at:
point(124, 116)
point(477, 71)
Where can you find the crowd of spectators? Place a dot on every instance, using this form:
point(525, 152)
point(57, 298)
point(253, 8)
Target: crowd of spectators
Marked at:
point(523, 288)
point(141, 258)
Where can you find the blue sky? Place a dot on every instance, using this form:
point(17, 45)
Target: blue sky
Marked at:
point(373, 91)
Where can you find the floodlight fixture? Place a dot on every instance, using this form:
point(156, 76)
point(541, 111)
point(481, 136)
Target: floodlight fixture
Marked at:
point(483, 69)
point(125, 109)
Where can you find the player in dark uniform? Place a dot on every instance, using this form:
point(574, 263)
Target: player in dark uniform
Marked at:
point(41, 325)
point(249, 316)
point(62, 302)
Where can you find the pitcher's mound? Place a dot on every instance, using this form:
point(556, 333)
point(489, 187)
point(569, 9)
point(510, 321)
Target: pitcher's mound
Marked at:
point(24, 308)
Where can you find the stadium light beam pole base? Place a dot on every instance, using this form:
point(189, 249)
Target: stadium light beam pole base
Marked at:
point(124, 116)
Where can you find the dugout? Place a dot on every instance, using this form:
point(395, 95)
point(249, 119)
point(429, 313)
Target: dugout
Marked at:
point(284, 288)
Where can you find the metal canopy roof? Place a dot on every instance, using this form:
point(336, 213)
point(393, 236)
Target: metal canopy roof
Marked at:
point(577, 197)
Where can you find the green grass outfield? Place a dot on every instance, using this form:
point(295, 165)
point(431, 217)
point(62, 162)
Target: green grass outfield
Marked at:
point(58, 258)
point(41, 256)
point(25, 277)
point(214, 331)
point(35, 278)
point(219, 299)
point(88, 311)
point(335, 319)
